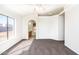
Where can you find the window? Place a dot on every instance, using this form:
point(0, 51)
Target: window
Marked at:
point(11, 28)
point(7, 27)
point(3, 28)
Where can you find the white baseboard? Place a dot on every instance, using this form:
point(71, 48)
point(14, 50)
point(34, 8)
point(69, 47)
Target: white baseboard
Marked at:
point(72, 49)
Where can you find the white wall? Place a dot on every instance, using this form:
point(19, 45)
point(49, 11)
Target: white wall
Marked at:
point(72, 27)
point(4, 45)
point(50, 27)
point(26, 19)
point(61, 27)
point(47, 27)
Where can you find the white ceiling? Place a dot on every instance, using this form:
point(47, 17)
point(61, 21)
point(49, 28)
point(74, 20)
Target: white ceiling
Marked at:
point(40, 9)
